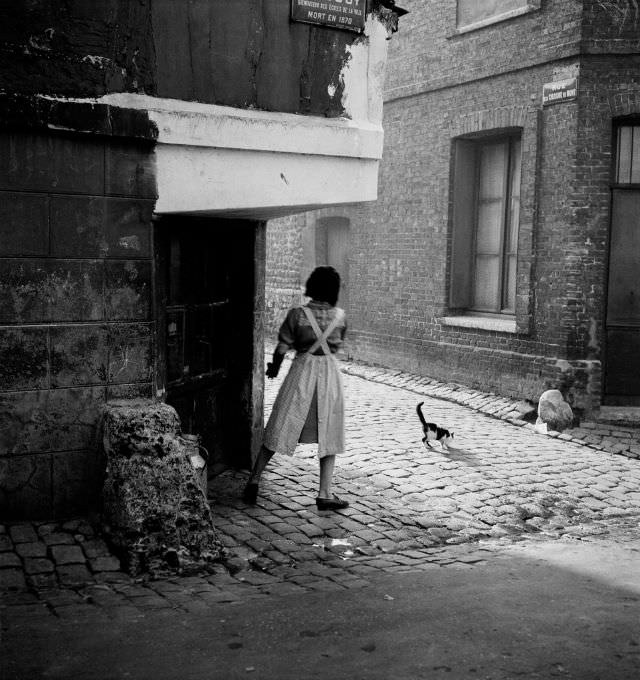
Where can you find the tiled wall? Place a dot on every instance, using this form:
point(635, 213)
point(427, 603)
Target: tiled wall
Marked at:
point(76, 318)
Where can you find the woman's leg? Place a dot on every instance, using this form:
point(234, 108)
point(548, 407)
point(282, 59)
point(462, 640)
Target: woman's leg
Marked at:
point(327, 465)
point(250, 493)
point(326, 500)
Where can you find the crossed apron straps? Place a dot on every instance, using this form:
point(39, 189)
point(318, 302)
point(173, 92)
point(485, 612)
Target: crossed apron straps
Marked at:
point(321, 337)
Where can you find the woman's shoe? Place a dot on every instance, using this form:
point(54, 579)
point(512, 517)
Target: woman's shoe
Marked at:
point(334, 503)
point(250, 494)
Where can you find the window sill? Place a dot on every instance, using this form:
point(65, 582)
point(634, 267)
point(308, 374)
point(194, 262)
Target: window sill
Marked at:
point(484, 323)
point(532, 7)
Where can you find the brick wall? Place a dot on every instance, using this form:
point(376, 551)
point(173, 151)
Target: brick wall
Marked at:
point(442, 84)
point(75, 309)
point(611, 26)
point(284, 269)
point(429, 53)
point(407, 285)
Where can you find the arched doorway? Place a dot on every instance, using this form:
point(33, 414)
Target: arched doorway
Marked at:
point(332, 248)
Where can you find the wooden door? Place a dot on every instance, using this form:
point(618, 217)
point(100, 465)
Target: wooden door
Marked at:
point(209, 292)
point(622, 363)
point(193, 282)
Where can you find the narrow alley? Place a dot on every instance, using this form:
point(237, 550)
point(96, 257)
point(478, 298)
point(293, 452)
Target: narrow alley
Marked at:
point(500, 487)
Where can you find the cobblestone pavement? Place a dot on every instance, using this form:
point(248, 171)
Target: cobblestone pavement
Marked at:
point(411, 508)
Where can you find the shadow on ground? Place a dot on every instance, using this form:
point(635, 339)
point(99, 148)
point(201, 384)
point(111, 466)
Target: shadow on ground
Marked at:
point(558, 610)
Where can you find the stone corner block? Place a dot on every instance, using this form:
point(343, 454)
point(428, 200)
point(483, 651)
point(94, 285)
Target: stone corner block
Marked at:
point(155, 511)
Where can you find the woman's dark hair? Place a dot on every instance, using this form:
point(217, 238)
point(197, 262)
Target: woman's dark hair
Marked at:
point(323, 285)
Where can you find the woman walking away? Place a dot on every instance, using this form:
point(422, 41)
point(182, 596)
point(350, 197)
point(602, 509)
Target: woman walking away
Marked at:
point(309, 407)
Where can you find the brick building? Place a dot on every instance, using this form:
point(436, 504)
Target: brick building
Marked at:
point(143, 145)
point(503, 248)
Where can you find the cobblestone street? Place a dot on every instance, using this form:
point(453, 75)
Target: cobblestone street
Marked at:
point(433, 205)
point(411, 508)
point(500, 481)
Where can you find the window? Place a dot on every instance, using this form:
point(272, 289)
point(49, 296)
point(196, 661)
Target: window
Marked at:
point(472, 12)
point(628, 156)
point(486, 214)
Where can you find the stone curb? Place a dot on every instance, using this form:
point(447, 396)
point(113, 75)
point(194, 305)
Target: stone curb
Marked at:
point(620, 440)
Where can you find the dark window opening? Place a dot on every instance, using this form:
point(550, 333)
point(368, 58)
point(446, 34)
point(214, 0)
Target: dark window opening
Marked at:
point(197, 305)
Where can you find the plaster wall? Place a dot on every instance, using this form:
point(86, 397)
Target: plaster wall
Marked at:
point(243, 54)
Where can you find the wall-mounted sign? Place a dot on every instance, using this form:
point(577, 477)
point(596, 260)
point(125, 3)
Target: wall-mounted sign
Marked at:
point(346, 14)
point(559, 91)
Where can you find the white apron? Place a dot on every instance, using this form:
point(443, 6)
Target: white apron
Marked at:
point(309, 376)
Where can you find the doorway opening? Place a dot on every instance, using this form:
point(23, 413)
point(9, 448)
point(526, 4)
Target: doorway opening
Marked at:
point(622, 324)
point(206, 295)
point(332, 248)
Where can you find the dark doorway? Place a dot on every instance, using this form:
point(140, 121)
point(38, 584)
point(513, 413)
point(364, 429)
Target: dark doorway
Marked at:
point(622, 363)
point(207, 295)
point(332, 248)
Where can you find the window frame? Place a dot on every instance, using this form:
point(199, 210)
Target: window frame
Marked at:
point(465, 219)
point(618, 126)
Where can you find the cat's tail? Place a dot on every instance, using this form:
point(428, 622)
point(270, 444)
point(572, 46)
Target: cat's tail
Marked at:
point(419, 412)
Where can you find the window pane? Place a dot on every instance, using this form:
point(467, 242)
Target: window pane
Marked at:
point(512, 227)
point(490, 225)
point(472, 11)
point(487, 283)
point(492, 162)
point(509, 303)
point(635, 155)
point(511, 243)
point(489, 232)
point(624, 155)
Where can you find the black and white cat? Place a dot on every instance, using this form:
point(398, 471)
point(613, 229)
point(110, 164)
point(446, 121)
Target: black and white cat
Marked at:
point(433, 432)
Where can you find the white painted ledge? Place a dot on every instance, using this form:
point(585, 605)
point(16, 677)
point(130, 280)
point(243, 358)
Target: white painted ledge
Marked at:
point(215, 160)
point(481, 322)
point(257, 185)
point(243, 163)
point(224, 127)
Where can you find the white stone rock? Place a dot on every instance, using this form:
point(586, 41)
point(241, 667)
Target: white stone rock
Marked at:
point(554, 411)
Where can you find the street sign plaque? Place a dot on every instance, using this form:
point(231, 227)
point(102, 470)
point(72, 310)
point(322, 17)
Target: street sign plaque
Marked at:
point(345, 14)
point(559, 91)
